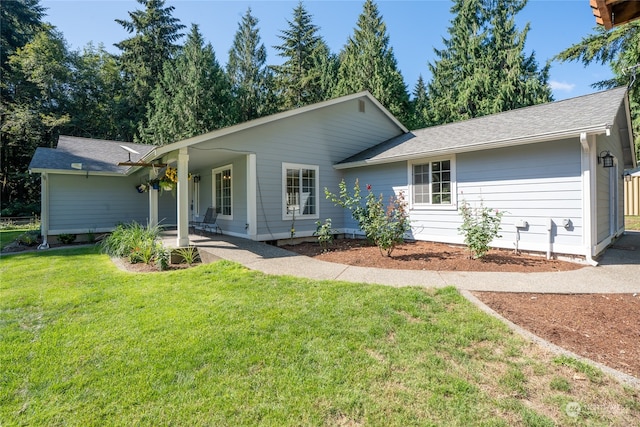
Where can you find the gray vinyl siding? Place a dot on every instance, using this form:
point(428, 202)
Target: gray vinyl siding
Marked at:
point(535, 183)
point(388, 180)
point(540, 184)
point(78, 204)
point(236, 225)
point(318, 138)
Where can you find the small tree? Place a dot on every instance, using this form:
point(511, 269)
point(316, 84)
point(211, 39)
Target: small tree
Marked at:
point(479, 226)
point(383, 227)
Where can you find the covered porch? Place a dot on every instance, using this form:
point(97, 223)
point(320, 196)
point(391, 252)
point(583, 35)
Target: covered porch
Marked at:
point(208, 177)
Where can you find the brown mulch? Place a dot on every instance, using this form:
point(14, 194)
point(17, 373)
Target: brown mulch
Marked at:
point(602, 327)
point(421, 255)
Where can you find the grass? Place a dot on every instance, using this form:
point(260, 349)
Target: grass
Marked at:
point(86, 344)
point(632, 222)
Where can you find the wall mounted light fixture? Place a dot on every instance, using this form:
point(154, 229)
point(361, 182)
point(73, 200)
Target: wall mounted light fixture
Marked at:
point(606, 158)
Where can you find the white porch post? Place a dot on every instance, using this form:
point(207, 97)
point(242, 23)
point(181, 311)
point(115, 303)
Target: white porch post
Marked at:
point(252, 213)
point(153, 203)
point(183, 198)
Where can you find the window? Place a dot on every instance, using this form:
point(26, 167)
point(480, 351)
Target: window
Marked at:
point(300, 190)
point(433, 183)
point(223, 191)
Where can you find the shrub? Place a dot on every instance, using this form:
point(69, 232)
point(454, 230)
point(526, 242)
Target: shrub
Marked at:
point(383, 227)
point(66, 239)
point(29, 238)
point(189, 255)
point(135, 242)
point(324, 233)
point(163, 256)
point(479, 227)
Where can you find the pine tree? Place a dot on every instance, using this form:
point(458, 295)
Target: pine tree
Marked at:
point(299, 80)
point(619, 47)
point(96, 106)
point(251, 81)
point(143, 56)
point(39, 78)
point(517, 81)
point(192, 98)
point(459, 78)
point(19, 22)
point(483, 68)
point(368, 63)
point(419, 106)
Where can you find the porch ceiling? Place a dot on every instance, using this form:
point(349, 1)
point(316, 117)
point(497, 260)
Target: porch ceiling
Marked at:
point(206, 158)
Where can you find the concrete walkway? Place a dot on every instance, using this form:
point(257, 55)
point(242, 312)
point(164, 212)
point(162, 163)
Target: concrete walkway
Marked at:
point(618, 271)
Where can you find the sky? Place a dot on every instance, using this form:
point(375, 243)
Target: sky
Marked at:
point(415, 28)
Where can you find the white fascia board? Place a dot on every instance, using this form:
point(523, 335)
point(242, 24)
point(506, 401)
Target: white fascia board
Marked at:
point(594, 130)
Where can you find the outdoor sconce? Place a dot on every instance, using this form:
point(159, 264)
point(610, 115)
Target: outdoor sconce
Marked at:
point(196, 178)
point(627, 177)
point(607, 159)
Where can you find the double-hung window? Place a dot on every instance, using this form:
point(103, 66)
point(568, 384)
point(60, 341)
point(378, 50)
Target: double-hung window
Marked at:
point(223, 191)
point(433, 183)
point(300, 191)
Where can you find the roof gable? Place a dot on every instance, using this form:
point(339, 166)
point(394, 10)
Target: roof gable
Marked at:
point(543, 122)
point(275, 118)
point(95, 155)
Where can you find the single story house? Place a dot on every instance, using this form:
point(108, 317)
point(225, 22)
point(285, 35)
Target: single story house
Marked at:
point(555, 169)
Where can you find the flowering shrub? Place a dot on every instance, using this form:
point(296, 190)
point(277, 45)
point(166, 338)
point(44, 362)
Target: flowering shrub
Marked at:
point(384, 227)
point(479, 226)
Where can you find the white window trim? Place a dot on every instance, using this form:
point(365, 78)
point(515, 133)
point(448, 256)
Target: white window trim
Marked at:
point(285, 214)
point(429, 206)
point(213, 190)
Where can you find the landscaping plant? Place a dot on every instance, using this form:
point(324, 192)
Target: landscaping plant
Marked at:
point(324, 232)
point(135, 242)
point(383, 227)
point(189, 254)
point(479, 227)
point(66, 238)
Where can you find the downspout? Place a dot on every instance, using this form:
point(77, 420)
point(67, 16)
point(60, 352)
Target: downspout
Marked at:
point(44, 210)
point(587, 209)
point(549, 237)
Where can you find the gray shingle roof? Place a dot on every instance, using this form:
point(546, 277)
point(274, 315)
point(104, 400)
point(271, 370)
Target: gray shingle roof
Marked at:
point(530, 123)
point(96, 155)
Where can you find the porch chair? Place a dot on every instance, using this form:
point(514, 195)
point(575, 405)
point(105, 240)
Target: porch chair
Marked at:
point(208, 223)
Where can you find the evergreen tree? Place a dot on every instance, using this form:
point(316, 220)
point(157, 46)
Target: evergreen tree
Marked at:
point(192, 98)
point(516, 80)
point(299, 80)
point(39, 76)
point(419, 106)
point(143, 56)
point(20, 20)
point(96, 106)
point(459, 79)
point(251, 81)
point(483, 68)
point(619, 47)
point(368, 63)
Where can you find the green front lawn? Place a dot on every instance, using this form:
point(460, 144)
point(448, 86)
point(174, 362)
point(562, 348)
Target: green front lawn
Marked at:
point(84, 344)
